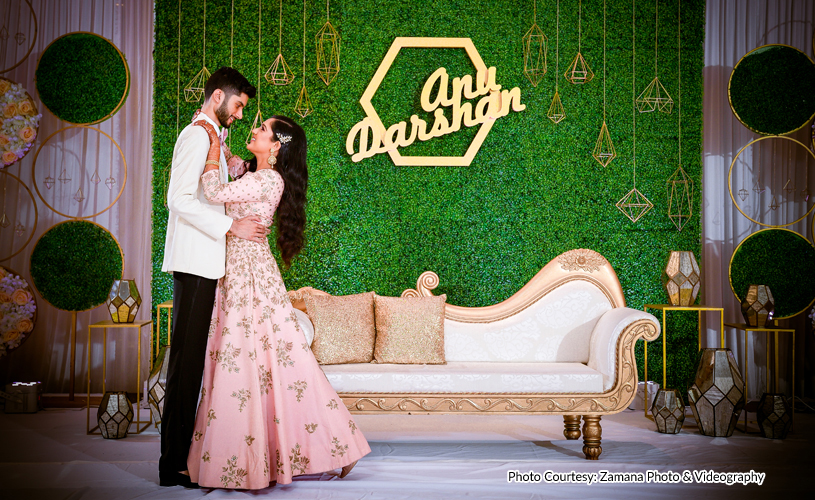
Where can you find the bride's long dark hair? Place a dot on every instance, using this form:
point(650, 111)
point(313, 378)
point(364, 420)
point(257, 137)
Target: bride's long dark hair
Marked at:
point(291, 165)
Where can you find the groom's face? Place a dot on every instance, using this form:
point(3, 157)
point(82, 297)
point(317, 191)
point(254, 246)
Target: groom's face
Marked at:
point(231, 109)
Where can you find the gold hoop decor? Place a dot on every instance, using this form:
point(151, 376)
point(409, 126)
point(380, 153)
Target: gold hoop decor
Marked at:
point(74, 263)
point(64, 177)
point(770, 90)
point(19, 122)
point(790, 274)
point(82, 78)
point(730, 179)
point(36, 216)
point(9, 40)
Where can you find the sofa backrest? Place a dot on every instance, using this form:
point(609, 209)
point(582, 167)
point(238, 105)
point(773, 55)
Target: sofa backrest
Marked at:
point(555, 328)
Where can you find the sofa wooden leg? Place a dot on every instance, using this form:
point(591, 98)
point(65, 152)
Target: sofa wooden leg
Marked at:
point(571, 424)
point(591, 437)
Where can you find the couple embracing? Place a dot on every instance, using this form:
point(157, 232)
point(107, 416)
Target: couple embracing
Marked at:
point(266, 412)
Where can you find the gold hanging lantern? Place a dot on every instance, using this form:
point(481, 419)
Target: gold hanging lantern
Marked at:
point(634, 205)
point(535, 46)
point(279, 72)
point(655, 97)
point(303, 105)
point(194, 90)
point(680, 198)
point(604, 150)
point(579, 71)
point(328, 50)
point(556, 112)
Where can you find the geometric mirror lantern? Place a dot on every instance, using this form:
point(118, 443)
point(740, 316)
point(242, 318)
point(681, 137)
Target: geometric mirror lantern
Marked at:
point(123, 301)
point(681, 278)
point(115, 415)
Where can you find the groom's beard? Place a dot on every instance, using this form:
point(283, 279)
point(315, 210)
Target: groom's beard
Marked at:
point(222, 114)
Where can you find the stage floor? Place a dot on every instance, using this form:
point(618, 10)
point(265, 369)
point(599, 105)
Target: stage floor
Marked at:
point(47, 455)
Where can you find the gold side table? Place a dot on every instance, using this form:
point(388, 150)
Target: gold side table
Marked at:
point(767, 331)
point(665, 308)
point(104, 325)
point(168, 306)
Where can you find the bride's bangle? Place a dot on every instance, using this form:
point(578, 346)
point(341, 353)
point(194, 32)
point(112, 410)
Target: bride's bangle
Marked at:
point(213, 162)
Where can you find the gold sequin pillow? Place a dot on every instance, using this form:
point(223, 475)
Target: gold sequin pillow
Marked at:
point(343, 327)
point(409, 330)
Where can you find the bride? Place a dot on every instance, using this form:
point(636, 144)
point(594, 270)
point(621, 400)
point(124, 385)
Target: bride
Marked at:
point(267, 413)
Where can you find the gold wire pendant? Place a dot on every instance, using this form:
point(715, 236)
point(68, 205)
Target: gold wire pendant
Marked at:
point(535, 46)
point(303, 106)
point(328, 53)
point(743, 194)
point(279, 72)
point(79, 197)
point(556, 112)
point(680, 198)
point(788, 187)
point(604, 150)
point(634, 205)
point(255, 124)
point(774, 203)
point(655, 97)
point(805, 194)
point(194, 90)
point(4, 221)
point(578, 71)
point(19, 229)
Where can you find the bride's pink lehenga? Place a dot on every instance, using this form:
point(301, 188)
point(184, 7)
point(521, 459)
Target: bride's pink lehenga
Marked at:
point(267, 411)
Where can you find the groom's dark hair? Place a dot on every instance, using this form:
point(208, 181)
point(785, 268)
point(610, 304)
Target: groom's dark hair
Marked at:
point(231, 82)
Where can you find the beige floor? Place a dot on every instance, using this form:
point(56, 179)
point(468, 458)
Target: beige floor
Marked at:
point(48, 455)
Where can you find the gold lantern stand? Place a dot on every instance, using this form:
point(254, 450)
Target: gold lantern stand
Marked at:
point(104, 325)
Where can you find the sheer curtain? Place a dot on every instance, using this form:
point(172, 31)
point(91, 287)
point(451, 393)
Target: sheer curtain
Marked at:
point(735, 27)
point(45, 356)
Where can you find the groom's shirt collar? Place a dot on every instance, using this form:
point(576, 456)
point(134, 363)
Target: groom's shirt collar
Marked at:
point(204, 116)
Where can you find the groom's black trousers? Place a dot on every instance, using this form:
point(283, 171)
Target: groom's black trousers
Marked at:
point(193, 298)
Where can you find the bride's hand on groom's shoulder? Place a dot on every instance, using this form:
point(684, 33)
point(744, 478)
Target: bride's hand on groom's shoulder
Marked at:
point(214, 140)
point(250, 228)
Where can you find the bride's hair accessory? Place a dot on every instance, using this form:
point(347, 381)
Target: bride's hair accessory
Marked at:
point(283, 138)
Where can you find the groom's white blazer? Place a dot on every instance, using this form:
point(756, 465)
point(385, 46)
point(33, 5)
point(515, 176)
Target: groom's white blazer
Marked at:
point(196, 229)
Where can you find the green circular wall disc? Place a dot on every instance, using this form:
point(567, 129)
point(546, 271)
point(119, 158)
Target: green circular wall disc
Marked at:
point(82, 78)
point(74, 263)
point(782, 259)
point(771, 90)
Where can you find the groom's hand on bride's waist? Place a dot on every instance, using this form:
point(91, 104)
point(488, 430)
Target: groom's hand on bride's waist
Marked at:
point(249, 228)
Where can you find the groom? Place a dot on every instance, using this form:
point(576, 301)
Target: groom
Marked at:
point(195, 253)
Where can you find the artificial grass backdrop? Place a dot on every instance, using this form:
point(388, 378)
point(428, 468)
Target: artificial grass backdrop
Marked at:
point(532, 192)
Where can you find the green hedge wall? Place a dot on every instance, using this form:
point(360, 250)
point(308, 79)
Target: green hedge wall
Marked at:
point(532, 192)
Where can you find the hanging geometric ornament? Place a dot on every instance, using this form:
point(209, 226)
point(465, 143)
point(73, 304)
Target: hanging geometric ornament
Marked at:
point(49, 181)
point(805, 194)
point(78, 197)
point(655, 97)
point(604, 150)
point(110, 182)
point(556, 112)
point(535, 46)
point(4, 221)
point(328, 50)
point(194, 90)
point(255, 124)
point(579, 71)
point(63, 177)
point(20, 38)
point(774, 203)
point(634, 205)
point(743, 194)
point(279, 72)
point(3, 34)
point(95, 178)
point(788, 187)
point(19, 229)
point(303, 106)
point(758, 189)
point(680, 197)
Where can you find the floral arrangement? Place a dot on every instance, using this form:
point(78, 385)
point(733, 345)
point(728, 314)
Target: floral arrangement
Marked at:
point(20, 122)
point(17, 310)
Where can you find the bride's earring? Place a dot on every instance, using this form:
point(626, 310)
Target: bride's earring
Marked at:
point(272, 159)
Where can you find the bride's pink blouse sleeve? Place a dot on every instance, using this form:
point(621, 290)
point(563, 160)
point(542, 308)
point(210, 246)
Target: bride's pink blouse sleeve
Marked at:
point(247, 188)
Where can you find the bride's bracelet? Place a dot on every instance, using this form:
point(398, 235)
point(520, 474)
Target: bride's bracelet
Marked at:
point(213, 162)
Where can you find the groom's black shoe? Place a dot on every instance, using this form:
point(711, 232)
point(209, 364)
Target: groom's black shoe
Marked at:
point(176, 479)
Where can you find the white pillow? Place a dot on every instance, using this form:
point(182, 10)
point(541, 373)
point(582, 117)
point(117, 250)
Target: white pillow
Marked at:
point(305, 324)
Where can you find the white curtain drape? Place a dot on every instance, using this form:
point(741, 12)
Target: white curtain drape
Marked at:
point(45, 356)
point(735, 27)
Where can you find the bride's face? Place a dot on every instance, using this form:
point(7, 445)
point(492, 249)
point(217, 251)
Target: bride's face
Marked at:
point(262, 139)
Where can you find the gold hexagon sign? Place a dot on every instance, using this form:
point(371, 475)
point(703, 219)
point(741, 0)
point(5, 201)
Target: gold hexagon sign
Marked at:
point(374, 137)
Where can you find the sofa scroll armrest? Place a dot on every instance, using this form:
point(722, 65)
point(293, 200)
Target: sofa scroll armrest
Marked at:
point(606, 349)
